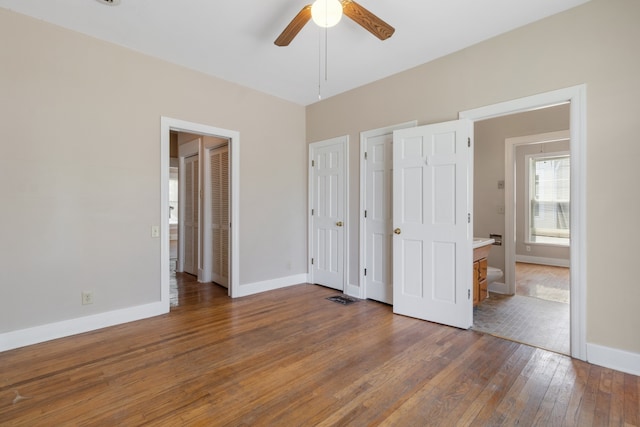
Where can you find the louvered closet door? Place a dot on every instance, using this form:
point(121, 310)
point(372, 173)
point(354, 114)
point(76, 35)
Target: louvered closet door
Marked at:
point(191, 215)
point(219, 166)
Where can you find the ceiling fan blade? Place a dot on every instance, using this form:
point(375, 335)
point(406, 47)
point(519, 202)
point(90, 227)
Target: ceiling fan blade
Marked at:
point(294, 26)
point(367, 20)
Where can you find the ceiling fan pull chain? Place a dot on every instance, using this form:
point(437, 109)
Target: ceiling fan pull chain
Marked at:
point(326, 55)
point(319, 65)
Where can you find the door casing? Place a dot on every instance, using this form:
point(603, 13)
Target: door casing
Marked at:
point(167, 125)
point(577, 96)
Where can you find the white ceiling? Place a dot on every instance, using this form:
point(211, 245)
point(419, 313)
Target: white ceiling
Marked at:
point(233, 39)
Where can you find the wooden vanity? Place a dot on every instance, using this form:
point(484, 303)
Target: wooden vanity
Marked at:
point(481, 248)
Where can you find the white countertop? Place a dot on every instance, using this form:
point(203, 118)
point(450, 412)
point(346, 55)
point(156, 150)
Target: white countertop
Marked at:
point(479, 242)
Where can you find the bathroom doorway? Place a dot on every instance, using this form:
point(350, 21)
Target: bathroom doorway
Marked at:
point(525, 204)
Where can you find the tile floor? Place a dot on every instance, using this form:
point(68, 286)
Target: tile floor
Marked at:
point(537, 315)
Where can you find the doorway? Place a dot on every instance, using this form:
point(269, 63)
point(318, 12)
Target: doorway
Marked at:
point(232, 138)
point(532, 305)
point(576, 98)
point(203, 246)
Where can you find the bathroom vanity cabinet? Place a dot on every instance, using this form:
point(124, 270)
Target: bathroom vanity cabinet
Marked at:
point(480, 291)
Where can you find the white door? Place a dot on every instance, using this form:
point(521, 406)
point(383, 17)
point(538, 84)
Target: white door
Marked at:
point(219, 185)
point(191, 209)
point(377, 216)
point(328, 219)
point(432, 258)
point(376, 165)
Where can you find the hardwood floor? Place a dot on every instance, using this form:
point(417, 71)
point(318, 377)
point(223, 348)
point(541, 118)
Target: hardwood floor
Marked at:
point(543, 281)
point(290, 357)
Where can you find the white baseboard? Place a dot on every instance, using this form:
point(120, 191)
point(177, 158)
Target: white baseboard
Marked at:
point(65, 328)
point(499, 288)
point(556, 262)
point(613, 358)
point(270, 285)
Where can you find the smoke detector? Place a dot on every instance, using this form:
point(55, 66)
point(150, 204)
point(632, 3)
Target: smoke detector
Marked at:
point(109, 2)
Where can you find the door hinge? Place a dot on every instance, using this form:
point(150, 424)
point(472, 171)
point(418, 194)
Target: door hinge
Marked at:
point(365, 271)
point(313, 163)
point(312, 211)
point(365, 155)
point(311, 261)
point(468, 293)
point(365, 213)
point(469, 218)
point(469, 142)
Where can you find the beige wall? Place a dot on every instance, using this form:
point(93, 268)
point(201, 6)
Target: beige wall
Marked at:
point(80, 172)
point(595, 44)
point(489, 167)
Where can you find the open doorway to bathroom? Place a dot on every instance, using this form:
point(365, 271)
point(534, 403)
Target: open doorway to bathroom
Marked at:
point(522, 198)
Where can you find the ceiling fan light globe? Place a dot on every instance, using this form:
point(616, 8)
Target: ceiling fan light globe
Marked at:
point(326, 13)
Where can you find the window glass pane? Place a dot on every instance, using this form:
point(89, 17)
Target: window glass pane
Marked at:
point(173, 195)
point(550, 199)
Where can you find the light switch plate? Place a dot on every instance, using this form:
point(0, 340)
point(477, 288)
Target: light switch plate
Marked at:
point(155, 231)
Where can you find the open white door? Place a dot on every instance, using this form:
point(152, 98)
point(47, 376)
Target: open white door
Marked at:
point(377, 219)
point(328, 212)
point(432, 255)
point(191, 214)
point(376, 204)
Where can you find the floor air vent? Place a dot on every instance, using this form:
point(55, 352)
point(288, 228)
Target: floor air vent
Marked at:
point(342, 299)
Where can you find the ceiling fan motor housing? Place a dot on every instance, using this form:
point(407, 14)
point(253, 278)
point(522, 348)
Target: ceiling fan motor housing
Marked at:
point(109, 2)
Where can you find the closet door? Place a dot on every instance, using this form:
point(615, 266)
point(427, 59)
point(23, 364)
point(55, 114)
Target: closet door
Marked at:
point(219, 167)
point(191, 215)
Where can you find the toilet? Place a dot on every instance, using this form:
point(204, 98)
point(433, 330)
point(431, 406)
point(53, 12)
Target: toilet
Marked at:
point(493, 274)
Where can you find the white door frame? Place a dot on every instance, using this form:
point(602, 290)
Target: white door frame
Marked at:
point(364, 136)
point(344, 141)
point(577, 96)
point(168, 124)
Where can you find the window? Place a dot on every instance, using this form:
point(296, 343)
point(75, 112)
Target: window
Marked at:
point(547, 218)
point(173, 195)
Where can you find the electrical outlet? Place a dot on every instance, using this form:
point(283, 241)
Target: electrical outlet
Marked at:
point(87, 297)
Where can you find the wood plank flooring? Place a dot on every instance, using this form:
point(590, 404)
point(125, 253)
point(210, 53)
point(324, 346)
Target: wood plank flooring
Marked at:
point(292, 358)
point(543, 281)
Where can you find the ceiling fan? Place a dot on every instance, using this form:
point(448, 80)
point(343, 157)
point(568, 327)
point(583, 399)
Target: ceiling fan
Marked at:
point(327, 13)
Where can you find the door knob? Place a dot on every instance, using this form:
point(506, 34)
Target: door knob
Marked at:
point(339, 223)
point(397, 231)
